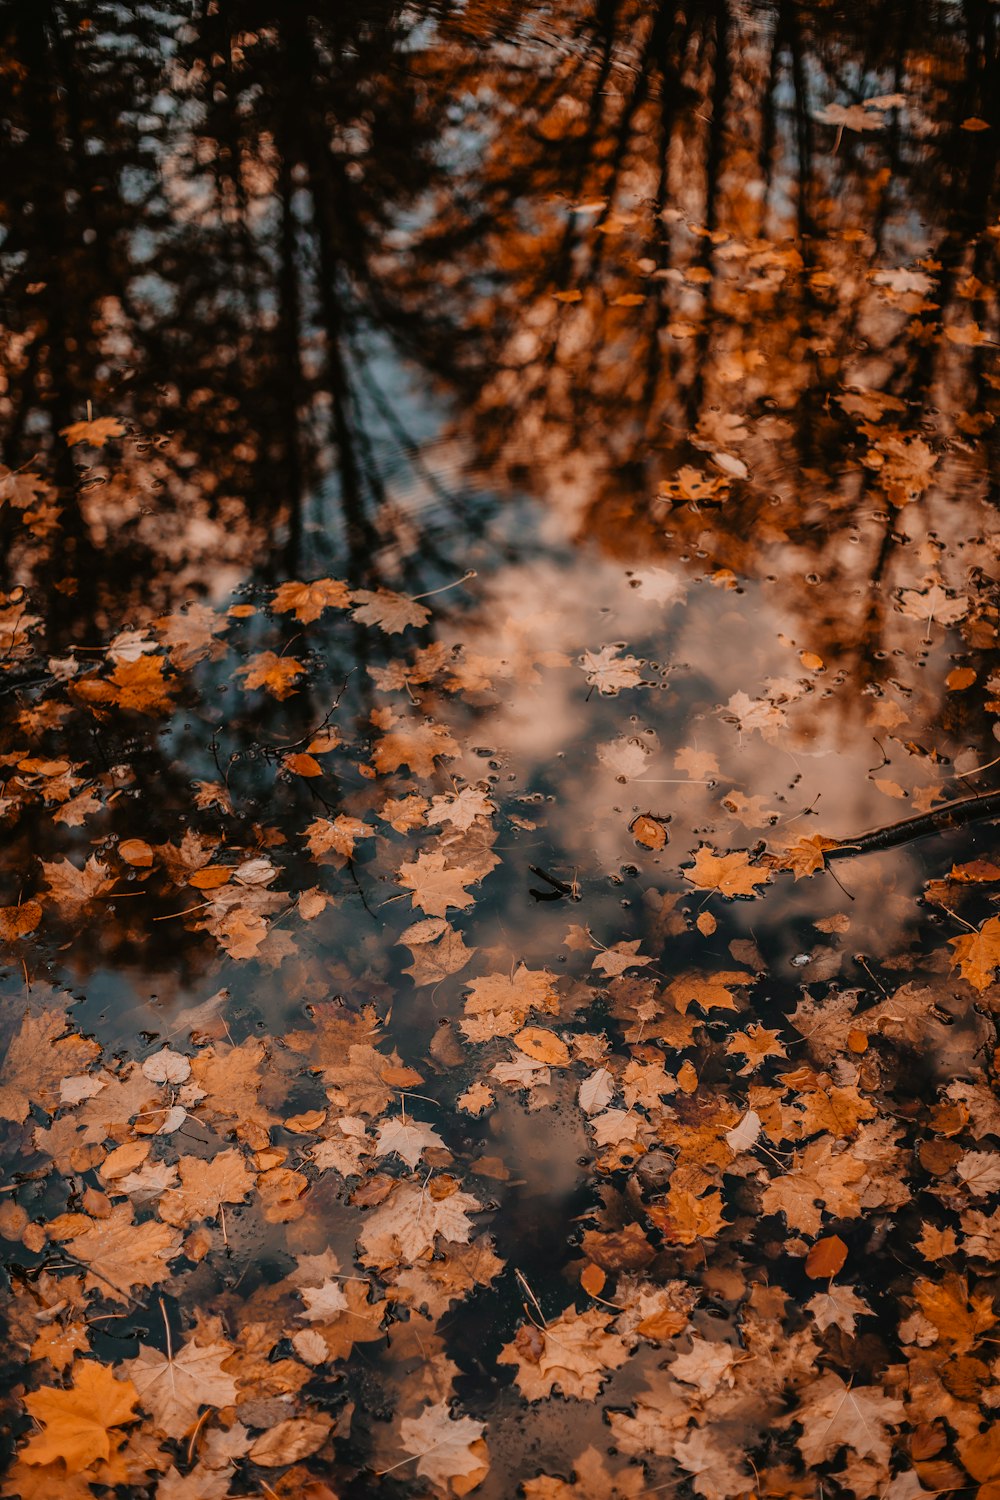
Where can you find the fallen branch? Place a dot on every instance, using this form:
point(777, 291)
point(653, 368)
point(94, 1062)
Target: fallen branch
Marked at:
point(949, 815)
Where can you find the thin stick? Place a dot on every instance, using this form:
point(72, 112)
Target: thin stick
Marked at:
point(429, 595)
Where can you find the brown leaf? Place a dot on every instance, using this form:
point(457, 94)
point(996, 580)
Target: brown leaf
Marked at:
point(136, 852)
point(72, 887)
point(826, 1258)
point(977, 954)
point(730, 874)
point(277, 674)
point(291, 1440)
point(174, 1387)
point(390, 612)
point(435, 885)
point(544, 1046)
point(574, 1353)
point(120, 1254)
point(416, 746)
point(39, 1057)
point(17, 921)
point(309, 600)
point(649, 832)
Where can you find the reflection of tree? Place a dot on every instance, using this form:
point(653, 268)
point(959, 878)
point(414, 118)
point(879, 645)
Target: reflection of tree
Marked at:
point(690, 258)
point(225, 271)
point(630, 244)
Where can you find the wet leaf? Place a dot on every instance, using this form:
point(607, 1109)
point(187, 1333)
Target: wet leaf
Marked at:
point(77, 1423)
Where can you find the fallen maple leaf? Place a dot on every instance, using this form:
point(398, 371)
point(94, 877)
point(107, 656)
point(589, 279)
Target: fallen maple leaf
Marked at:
point(174, 1387)
point(204, 1186)
point(77, 1422)
point(415, 746)
point(660, 1414)
point(72, 887)
point(609, 672)
point(368, 1080)
point(407, 1224)
point(717, 1467)
point(434, 961)
point(38, 1058)
point(838, 1415)
point(446, 1447)
point(138, 686)
point(461, 809)
point(574, 1352)
point(977, 954)
point(840, 1306)
point(755, 714)
point(593, 1480)
point(309, 600)
point(497, 1004)
point(619, 957)
point(806, 856)
point(120, 1254)
point(435, 885)
point(199, 1483)
point(406, 1138)
point(189, 635)
point(338, 835)
point(818, 1175)
point(95, 430)
point(390, 612)
point(755, 1044)
point(933, 604)
point(730, 874)
point(278, 674)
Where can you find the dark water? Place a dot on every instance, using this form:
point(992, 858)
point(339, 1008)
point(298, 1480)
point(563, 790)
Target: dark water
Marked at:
point(651, 350)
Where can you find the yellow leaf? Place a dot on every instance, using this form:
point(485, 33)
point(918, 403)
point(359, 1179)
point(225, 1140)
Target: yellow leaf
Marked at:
point(730, 874)
point(277, 674)
point(302, 765)
point(592, 1279)
point(687, 1078)
point(210, 877)
point(16, 921)
point(826, 1258)
point(136, 852)
point(977, 954)
point(77, 1423)
point(650, 832)
point(309, 600)
point(544, 1046)
point(96, 432)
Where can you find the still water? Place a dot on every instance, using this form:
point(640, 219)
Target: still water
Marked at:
point(491, 494)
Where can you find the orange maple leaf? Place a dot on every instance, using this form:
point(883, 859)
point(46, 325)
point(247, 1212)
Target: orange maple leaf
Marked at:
point(415, 746)
point(977, 954)
point(806, 856)
point(77, 1423)
point(435, 887)
point(730, 874)
point(309, 600)
point(277, 674)
point(138, 686)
